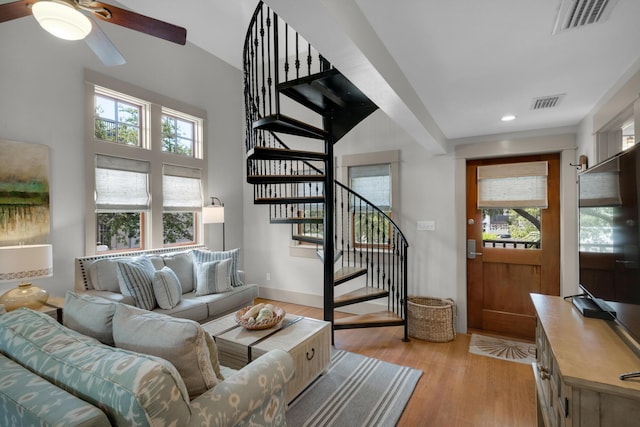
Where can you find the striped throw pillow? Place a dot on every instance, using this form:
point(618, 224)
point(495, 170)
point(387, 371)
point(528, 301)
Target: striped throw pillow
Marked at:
point(135, 278)
point(213, 277)
point(166, 288)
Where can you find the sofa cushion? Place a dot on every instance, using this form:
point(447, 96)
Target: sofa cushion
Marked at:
point(103, 274)
point(213, 277)
point(135, 278)
point(89, 315)
point(130, 388)
point(180, 341)
point(200, 256)
point(189, 308)
point(28, 400)
point(166, 288)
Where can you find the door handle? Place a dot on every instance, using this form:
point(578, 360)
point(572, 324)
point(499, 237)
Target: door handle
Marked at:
point(471, 249)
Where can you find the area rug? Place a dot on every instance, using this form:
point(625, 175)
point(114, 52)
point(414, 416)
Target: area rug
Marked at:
point(356, 391)
point(500, 348)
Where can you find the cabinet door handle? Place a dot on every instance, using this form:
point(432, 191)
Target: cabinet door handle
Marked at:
point(313, 353)
point(544, 373)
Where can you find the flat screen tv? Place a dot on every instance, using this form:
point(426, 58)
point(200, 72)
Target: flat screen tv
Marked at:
point(609, 237)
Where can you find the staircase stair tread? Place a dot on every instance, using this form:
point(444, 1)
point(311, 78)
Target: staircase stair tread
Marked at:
point(285, 124)
point(345, 274)
point(324, 91)
point(274, 179)
point(308, 239)
point(288, 200)
point(366, 293)
point(296, 220)
point(382, 318)
point(272, 153)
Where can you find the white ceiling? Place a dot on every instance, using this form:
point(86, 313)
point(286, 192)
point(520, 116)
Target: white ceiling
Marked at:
point(469, 62)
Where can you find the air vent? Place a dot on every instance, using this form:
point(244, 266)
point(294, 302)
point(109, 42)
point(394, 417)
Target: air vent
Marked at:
point(578, 13)
point(546, 102)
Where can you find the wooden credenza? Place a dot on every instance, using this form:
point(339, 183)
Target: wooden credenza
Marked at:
point(579, 361)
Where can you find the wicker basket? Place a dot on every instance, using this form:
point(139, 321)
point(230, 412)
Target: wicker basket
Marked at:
point(431, 319)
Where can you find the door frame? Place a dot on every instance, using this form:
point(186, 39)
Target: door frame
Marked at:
point(565, 144)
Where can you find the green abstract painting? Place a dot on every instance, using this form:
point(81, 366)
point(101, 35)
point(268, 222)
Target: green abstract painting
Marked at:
point(24, 193)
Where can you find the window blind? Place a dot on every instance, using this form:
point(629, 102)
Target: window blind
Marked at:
point(601, 188)
point(121, 184)
point(373, 182)
point(513, 185)
point(181, 188)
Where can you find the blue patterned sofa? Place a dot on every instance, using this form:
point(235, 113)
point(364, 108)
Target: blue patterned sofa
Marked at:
point(97, 275)
point(52, 375)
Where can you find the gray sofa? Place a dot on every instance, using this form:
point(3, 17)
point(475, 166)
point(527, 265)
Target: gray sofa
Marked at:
point(97, 275)
point(53, 375)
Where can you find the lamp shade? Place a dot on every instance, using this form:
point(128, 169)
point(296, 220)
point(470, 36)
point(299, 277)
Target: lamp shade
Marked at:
point(61, 20)
point(25, 262)
point(213, 215)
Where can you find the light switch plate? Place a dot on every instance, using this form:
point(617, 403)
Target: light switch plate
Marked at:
point(426, 225)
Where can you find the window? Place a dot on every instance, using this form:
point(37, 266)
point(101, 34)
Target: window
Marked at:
point(145, 168)
point(117, 120)
point(374, 177)
point(511, 196)
point(373, 184)
point(178, 135)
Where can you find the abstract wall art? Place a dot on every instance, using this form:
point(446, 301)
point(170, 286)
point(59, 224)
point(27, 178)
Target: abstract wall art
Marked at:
point(24, 194)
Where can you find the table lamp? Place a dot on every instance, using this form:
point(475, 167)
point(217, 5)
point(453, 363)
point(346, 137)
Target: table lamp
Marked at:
point(25, 262)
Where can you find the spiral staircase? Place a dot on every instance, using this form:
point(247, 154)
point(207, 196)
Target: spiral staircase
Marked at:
point(290, 161)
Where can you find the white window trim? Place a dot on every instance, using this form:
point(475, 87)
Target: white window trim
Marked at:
point(154, 155)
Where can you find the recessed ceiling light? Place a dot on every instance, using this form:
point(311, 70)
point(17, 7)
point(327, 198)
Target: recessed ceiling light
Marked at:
point(508, 118)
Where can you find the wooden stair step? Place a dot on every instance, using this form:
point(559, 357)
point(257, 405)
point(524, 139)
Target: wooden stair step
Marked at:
point(271, 153)
point(345, 274)
point(284, 124)
point(275, 179)
point(359, 295)
point(369, 320)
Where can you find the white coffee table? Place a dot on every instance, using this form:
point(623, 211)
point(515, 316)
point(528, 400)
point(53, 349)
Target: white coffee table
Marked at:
point(307, 340)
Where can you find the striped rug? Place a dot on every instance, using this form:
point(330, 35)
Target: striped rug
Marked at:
point(356, 391)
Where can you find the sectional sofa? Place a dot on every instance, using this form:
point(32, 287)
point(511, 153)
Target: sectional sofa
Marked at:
point(98, 275)
point(160, 371)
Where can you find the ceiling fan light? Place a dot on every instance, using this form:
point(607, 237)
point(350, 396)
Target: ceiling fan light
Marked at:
point(61, 20)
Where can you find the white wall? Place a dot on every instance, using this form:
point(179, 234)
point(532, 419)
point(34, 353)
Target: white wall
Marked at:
point(41, 101)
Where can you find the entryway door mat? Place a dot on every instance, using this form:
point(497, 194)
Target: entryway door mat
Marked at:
point(356, 391)
point(501, 348)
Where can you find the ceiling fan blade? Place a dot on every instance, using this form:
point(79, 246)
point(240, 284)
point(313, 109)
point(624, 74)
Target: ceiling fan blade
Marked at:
point(100, 44)
point(144, 24)
point(15, 10)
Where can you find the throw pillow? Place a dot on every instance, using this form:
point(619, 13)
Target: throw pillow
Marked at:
point(166, 288)
point(182, 265)
point(200, 256)
point(89, 315)
point(135, 278)
point(180, 341)
point(213, 277)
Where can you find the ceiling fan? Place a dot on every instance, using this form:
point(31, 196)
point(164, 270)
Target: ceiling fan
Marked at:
point(65, 19)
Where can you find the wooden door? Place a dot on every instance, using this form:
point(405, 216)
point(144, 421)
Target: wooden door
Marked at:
point(501, 277)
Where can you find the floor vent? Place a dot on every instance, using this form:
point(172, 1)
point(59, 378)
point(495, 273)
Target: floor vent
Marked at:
point(578, 13)
point(546, 102)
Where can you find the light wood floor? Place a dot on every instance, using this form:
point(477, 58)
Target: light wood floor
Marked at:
point(456, 388)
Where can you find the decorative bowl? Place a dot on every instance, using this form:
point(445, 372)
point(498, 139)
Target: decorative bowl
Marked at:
point(278, 315)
